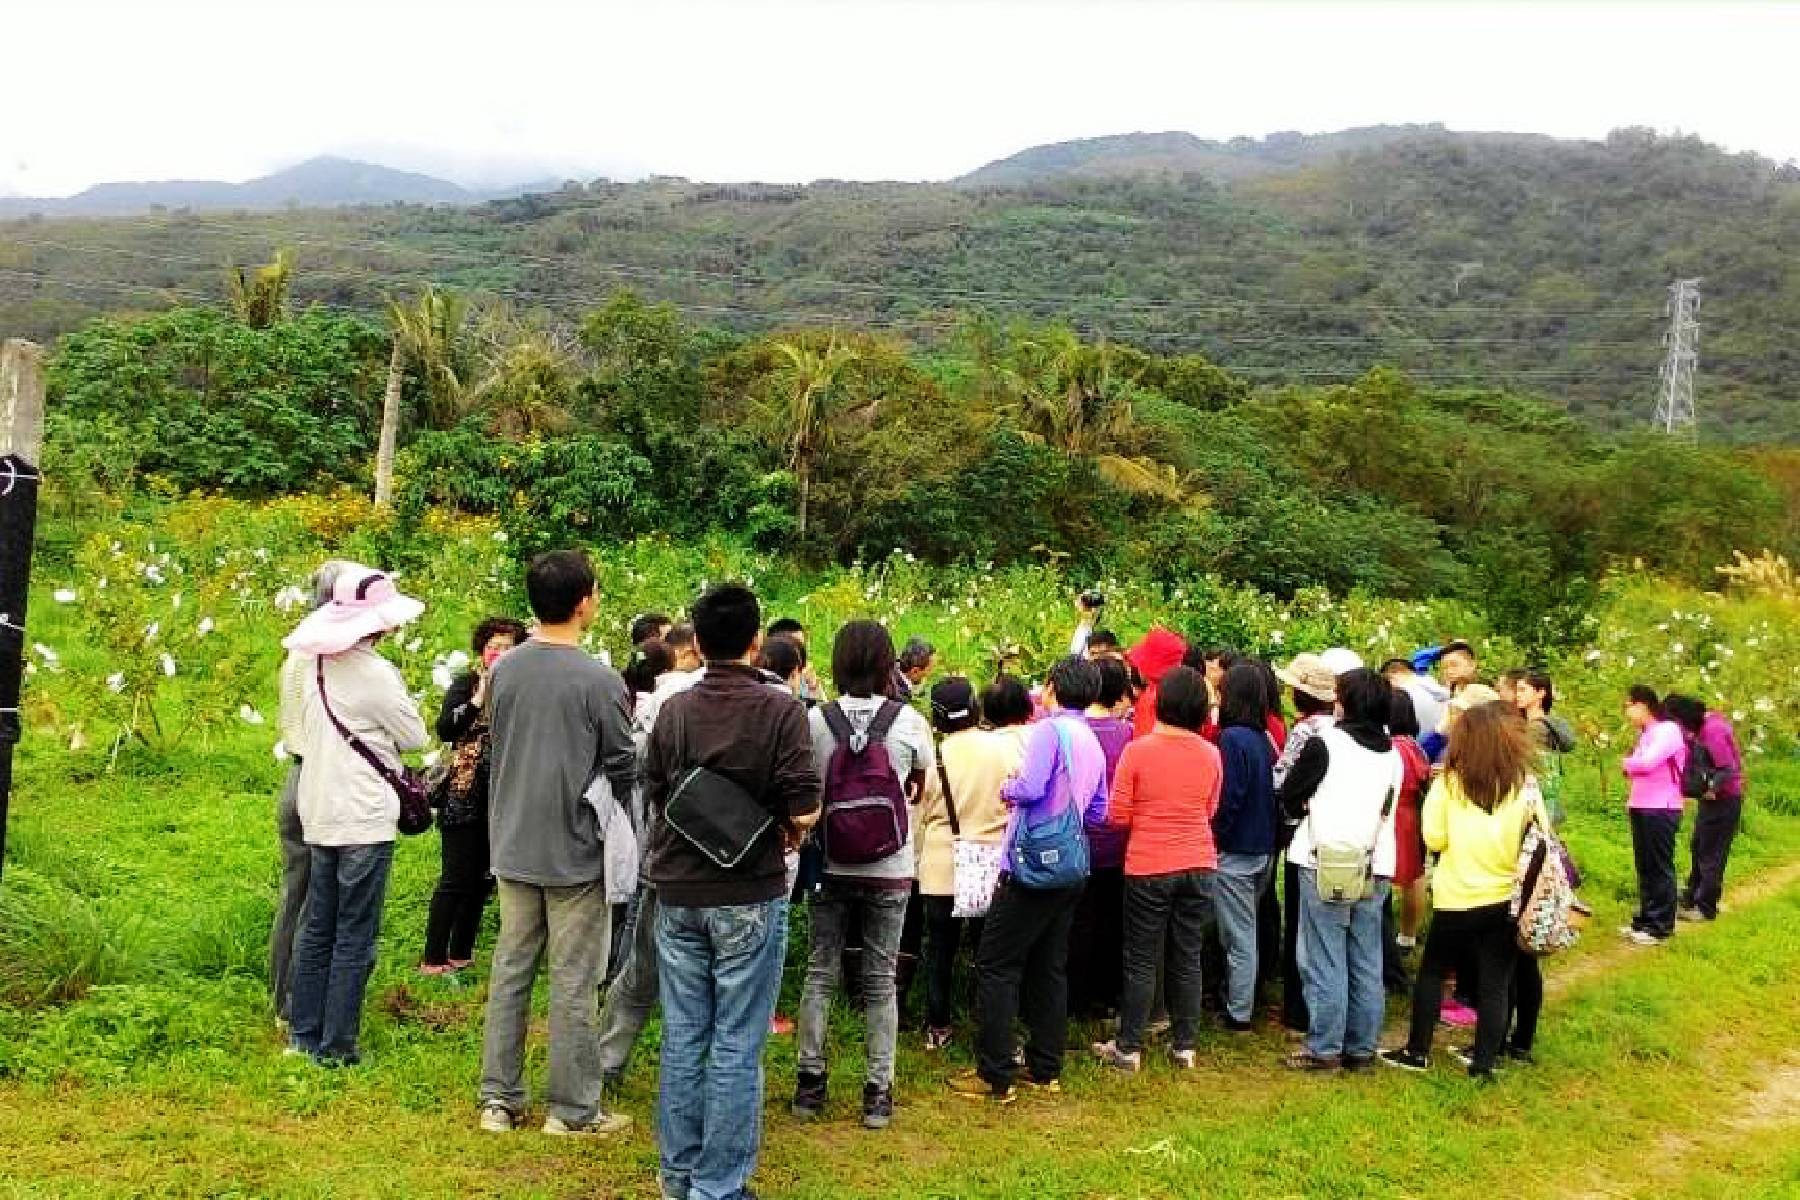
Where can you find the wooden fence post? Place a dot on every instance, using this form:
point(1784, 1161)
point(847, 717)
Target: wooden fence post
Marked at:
point(21, 439)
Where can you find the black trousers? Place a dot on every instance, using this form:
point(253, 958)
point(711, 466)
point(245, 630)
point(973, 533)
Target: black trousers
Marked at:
point(1293, 996)
point(1715, 826)
point(1096, 951)
point(1486, 935)
point(1172, 911)
point(944, 938)
point(1021, 970)
point(1394, 979)
point(1268, 933)
point(1527, 1002)
point(463, 885)
point(1653, 849)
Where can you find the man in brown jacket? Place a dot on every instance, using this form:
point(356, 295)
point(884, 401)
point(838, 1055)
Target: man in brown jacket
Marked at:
point(726, 758)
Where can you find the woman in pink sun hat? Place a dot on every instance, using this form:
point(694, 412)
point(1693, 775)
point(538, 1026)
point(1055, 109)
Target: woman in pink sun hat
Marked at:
point(355, 707)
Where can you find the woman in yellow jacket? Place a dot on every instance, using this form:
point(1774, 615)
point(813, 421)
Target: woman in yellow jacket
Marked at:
point(975, 763)
point(1475, 818)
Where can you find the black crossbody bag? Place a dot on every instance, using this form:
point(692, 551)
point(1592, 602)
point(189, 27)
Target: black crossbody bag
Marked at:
point(718, 817)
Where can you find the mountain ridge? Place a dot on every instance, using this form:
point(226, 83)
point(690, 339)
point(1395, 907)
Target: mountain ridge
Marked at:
point(323, 181)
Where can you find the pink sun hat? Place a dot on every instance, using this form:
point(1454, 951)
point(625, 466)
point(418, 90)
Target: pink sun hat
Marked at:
point(364, 602)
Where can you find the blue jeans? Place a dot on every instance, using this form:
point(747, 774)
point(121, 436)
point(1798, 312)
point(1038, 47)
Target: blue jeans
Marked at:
point(720, 971)
point(1237, 891)
point(336, 948)
point(1340, 970)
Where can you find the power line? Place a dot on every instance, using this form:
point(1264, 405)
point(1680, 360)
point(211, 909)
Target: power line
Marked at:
point(630, 270)
point(370, 278)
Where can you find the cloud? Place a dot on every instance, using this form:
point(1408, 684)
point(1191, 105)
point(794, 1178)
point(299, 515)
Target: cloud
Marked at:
point(489, 92)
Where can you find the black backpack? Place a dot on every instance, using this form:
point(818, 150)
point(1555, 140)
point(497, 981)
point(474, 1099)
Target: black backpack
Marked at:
point(1701, 777)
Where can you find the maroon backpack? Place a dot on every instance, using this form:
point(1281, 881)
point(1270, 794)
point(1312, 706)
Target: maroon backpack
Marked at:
point(865, 803)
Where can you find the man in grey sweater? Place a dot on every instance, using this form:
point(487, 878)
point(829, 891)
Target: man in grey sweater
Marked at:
point(558, 717)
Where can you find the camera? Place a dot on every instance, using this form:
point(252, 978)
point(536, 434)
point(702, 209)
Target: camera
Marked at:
point(1093, 598)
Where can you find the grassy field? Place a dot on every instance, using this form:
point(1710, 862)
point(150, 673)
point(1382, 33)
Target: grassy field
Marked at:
point(1656, 1074)
point(138, 1056)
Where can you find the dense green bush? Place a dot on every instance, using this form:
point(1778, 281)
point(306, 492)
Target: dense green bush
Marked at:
point(211, 402)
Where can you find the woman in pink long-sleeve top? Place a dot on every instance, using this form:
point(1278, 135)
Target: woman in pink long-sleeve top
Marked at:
point(1654, 769)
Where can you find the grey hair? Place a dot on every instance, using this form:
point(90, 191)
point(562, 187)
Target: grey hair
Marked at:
point(324, 580)
point(917, 654)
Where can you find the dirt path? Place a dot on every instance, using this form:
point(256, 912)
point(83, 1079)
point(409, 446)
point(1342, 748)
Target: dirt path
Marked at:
point(1773, 1104)
point(1612, 950)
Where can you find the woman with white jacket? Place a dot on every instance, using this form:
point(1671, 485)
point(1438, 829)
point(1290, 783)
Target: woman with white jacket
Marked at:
point(348, 810)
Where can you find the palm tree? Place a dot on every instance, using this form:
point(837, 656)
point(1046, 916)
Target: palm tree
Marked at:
point(259, 297)
point(1076, 396)
point(527, 380)
point(807, 376)
point(431, 334)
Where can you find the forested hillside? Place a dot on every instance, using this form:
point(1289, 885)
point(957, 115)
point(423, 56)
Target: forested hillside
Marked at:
point(1535, 264)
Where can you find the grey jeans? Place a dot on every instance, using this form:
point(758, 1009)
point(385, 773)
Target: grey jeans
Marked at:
point(632, 997)
point(883, 916)
point(571, 927)
point(1237, 888)
point(296, 869)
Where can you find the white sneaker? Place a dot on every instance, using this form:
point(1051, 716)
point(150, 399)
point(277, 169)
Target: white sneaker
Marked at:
point(1183, 1059)
point(604, 1125)
point(497, 1118)
point(1638, 937)
point(1128, 1061)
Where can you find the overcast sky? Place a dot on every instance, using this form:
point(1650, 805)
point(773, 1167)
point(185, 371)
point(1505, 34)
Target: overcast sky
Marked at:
point(512, 89)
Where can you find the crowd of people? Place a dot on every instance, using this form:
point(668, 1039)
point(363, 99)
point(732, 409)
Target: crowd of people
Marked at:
point(1155, 837)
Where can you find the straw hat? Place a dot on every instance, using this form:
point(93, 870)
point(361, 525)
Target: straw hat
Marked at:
point(1310, 674)
point(1473, 695)
point(364, 602)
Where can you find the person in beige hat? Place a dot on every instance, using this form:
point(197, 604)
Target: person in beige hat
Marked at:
point(356, 715)
point(1314, 694)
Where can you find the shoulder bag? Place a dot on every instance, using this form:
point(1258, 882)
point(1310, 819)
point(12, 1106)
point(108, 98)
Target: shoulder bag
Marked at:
point(1345, 871)
point(1054, 854)
point(715, 815)
point(976, 864)
point(415, 803)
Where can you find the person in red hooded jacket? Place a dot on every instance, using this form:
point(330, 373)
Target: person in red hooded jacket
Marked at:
point(1156, 655)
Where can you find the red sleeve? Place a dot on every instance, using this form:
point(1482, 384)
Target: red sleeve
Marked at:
point(1277, 733)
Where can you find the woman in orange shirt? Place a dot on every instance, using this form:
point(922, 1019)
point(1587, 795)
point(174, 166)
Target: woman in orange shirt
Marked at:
point(1164, 794)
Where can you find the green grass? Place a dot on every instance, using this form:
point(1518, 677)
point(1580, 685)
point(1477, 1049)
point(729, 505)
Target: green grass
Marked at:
point(138, 1056)
point(165, 1077)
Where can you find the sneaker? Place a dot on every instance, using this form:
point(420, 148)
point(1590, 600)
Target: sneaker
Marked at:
point(1128, 1061)
point(878, 1106)
point(1183, 1060)
point(1405, 1059)
point(1465, 1056)
point(1691, 914)
point(1625, 931)
point(1639, 937)
point(971, 1086)
point(809, 1095)
point(497, 1118)
point(1457, 1015)
point(1039, 1087)
point(938, 1037)
point(1300, 1060)
point(1356, 1064)
point(1519, 1057)
point(1231, 1024)
point(1158, 1028)
point(603, 1125)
